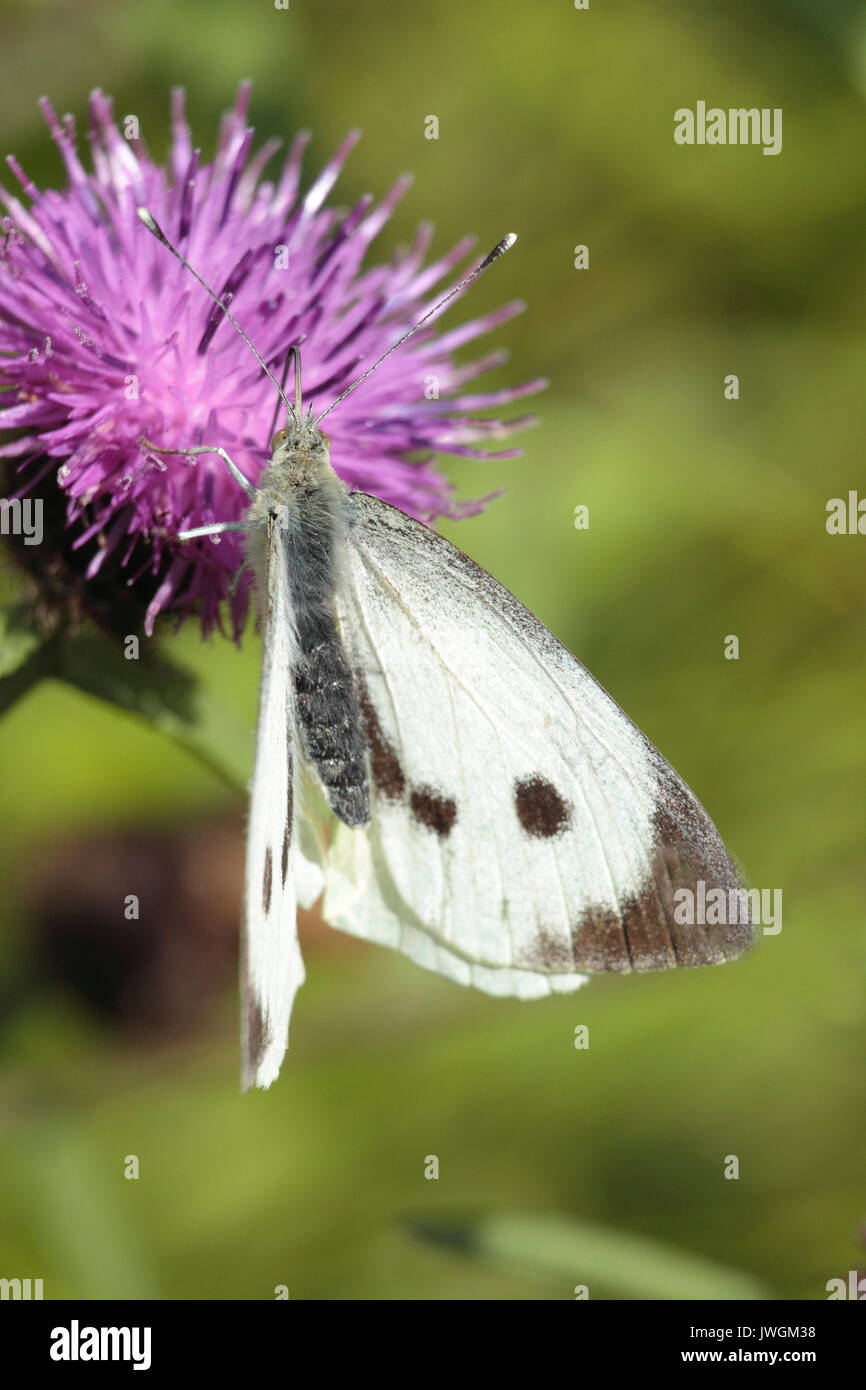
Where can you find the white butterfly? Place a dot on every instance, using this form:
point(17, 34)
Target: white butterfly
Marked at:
point(432, 760)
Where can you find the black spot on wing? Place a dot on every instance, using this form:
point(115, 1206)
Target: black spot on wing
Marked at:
point(284, 859)
point(267, 881)
point(437, 813)
point(542, 812)
point(385, 766)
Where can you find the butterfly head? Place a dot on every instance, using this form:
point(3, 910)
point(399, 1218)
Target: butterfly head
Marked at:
point(300, 457)
point(298, 441)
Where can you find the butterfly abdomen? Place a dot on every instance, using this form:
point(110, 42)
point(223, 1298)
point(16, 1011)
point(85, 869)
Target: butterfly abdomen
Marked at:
point(329, 714)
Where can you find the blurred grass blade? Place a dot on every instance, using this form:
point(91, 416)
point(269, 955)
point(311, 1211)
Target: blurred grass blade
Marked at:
point(65, 1177)
point(611, 1263)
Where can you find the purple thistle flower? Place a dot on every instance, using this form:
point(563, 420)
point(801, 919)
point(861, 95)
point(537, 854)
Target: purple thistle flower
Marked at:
point(105, 339)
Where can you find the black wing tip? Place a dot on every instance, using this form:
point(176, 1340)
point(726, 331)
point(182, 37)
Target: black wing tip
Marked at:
point(693, 909)
point(696, 909)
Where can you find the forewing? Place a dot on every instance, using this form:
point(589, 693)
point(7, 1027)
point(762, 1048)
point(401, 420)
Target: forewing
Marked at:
point(271, 969)
point(524, 831)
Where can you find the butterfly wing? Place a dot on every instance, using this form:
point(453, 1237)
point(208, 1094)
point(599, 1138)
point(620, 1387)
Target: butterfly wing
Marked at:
point(524, 832)
point(271, 967)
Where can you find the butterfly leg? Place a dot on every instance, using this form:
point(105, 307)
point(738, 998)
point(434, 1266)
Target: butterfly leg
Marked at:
point(236, 473)
point(217, 528)
point(236, 579)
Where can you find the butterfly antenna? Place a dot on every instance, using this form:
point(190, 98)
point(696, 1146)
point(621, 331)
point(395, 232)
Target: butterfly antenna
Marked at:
point(154, 228)
point(298, 408)
point(294, 353)
point(499, 250)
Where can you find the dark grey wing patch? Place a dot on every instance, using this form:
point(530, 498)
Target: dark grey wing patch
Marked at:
point(267, 881)
point(547, 953)
point(540, 809)
point(599, 942)
point(435, 812)
point(284, 857)
point(257, 1039)
point(387, 774)
point(432, 809)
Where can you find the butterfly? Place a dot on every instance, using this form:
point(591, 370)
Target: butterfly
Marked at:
point(437, 767)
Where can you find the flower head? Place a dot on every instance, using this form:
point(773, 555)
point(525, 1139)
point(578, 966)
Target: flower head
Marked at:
point(106, 340)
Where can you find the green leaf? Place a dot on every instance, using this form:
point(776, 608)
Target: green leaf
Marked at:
point(26, 656)
point(164, 694)
point(19, 638)
point(579, 1252)
point(150, 686)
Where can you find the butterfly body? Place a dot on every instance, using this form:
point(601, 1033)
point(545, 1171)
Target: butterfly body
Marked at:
point(297, 520)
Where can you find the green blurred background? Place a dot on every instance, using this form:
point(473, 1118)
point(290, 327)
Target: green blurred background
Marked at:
point(557, 1166)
